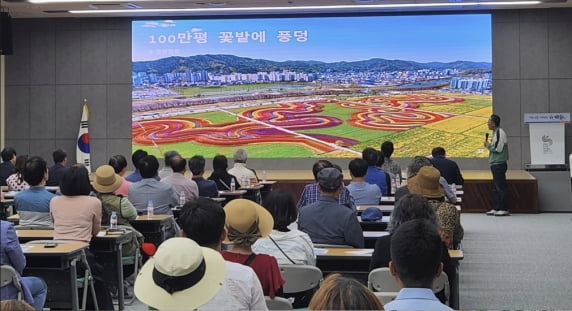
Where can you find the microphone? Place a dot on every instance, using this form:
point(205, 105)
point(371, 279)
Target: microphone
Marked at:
point(487, 136)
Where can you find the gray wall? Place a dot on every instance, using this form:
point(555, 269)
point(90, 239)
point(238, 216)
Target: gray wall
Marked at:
point(58, 62)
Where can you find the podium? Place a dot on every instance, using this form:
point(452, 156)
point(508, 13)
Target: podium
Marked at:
point(547, 160)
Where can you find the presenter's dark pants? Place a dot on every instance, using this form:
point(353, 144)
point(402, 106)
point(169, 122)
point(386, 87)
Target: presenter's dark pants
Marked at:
point(500, 187)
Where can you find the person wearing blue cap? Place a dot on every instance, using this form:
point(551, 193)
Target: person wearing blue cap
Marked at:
point(326, 221)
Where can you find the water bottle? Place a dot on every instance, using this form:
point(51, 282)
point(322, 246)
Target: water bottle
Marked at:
point(263, 176)
point(393, 185)
point(113, 221)
point(182, 199)
point(247, 181)
point(150, 209)
point(398, 181)
point(454, 189)
point(232, 185)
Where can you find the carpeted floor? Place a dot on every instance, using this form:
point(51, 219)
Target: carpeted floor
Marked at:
point(517, 262)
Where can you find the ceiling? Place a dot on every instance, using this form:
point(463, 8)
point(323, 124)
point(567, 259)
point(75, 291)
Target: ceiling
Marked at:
point(27, 9)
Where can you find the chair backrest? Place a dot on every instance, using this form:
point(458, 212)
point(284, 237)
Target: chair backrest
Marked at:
point(8, 275)
point(278, 303)
point(381, 280)
point(300, 278)
point(442, 283)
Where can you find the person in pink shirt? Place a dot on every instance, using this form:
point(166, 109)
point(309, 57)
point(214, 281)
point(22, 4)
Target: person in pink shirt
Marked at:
point(119, 164)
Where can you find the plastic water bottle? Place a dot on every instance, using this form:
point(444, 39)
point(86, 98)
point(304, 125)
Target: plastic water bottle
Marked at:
point(150, 209)
point(263, 176)
point(393, 188)
point(113, 221)
point(232, 185)
point(454, 189)
point(182, 199)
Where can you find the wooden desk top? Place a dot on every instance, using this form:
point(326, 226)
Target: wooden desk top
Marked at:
point(252, 187)
point(152, 218)
point(383, 208)
point(32, 233)
point(268, 182)
point(61, 248)
point(232, 193)
point(487, 175)
point(456, 254)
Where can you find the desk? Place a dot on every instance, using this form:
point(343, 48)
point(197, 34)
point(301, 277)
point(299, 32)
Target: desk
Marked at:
point(331, 260)
point(153, 228)
point(57, 266)
point(106, 248)
point(267, 187)
point(253, 192)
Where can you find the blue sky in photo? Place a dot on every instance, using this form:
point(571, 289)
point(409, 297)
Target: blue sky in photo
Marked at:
point(422, 38)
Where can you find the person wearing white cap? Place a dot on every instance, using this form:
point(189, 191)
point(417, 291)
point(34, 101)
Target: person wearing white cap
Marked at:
point(181, 276)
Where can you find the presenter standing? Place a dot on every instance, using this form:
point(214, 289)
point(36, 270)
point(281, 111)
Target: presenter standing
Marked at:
point(498, 156)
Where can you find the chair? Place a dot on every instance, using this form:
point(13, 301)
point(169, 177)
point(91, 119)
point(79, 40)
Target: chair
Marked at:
point(85, 282)
point(9, 276)
point(135, 260)
point(383, 284)
point(442, 283)
point(385, 288)
point(278, 303)
point(300, 278)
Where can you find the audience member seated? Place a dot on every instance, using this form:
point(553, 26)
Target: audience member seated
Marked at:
point(167, 170)
point(239, 169)
point(105, 183)
point(135, 158)
point(7, 167)
point(16, 181)
point(362, 192)
point(426, 183)
point(389, 165)
point(416, 164)
point(343, 293)
point(33, 205)
point(15, 305)
point(247, 221)
point(220, 176)
point(207, 188)
point(415, 263)
point(57, 171)
point(77, 217)
point(150, 189)
point(448, 168)
point(35, 289)
point(178, 181)
point(311, 193)
point(119, 164)
point(411, 206)
point(203, 220)
point(181, 276)
point(326, 221)
point(288, 246)
point(374, 175)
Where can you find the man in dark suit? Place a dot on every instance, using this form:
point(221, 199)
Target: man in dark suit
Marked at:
point(57, 171)
point(448, 168)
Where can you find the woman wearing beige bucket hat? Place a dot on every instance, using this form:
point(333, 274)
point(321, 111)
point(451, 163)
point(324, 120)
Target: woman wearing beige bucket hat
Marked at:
point(426, 183)
point(245, 222)
point(105, 183)
point(181, 276)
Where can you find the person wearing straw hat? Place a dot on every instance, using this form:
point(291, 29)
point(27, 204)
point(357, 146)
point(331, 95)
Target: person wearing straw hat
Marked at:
point(105, 183)
point(181, 276)
point(426, 183)
point(245, 222)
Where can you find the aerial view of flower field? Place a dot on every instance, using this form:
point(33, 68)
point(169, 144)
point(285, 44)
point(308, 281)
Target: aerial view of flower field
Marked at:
point(279, 96)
